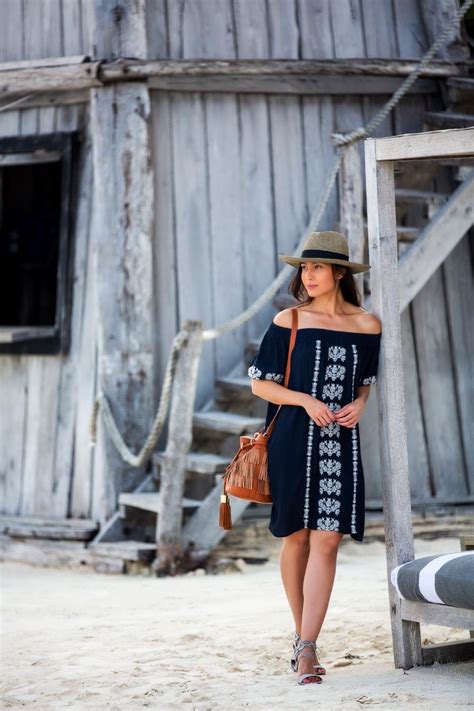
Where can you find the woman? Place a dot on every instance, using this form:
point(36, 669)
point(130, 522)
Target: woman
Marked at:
point(314, 462)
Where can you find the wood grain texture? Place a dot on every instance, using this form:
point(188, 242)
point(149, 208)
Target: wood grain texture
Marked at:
point(390, 388)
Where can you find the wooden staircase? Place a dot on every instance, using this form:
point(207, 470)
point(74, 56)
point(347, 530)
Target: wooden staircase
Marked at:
point(422, 190)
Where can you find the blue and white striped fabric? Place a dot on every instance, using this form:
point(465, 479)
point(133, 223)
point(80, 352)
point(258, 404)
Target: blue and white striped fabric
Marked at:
point(444, 579)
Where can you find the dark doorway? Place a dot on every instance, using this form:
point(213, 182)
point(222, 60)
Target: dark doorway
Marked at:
point(29, 243)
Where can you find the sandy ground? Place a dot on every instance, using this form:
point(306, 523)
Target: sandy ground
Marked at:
point(81, 640)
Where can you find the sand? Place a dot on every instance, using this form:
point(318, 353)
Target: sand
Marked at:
point(82, 640)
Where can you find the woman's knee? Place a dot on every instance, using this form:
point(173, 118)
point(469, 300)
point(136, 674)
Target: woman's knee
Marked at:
point(325, 541)
point(298, 539)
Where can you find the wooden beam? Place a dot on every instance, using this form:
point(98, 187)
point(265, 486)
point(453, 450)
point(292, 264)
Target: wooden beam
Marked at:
point(44, 62)
point(445, 652)
point(29, 80)
point(430, 613)
point(385, 299)
point(430, 144)
point(59, 74)
point(352, 202)
point(436, 241)
point(327, 84)
point(173, 464)
point(122, 251)
point(130, 69)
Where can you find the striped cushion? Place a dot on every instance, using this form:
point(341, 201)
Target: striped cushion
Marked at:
point(444, 579)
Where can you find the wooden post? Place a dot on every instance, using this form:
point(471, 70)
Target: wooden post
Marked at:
point(351, 207)
point(173, 467)
point(122, 249)
point(385, 300)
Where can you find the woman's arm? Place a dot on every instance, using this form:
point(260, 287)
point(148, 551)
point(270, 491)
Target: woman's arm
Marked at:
point(278, 394)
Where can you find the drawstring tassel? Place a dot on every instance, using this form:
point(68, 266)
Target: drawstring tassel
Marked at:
point(225, 518)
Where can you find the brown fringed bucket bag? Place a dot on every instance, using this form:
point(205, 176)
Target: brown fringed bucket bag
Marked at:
point(246, 477)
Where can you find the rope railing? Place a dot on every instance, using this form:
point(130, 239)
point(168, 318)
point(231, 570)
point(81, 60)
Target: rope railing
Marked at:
point(341, 142)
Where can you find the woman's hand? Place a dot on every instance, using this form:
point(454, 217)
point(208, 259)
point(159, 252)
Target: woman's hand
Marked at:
point(350, 414)
point(318, 411)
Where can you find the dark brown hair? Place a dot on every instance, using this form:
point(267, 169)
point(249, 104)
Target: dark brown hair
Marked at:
point(349, 290)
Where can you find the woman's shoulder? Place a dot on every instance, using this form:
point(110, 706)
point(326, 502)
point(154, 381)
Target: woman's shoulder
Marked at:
point(367, 322)
point(370, 323)
point(283, 318)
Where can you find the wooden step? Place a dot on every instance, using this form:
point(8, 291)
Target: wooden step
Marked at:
point(125, 550)
point(407, 195)
point(150, 501)
point(235, 385)
point(200, 462)
point(227, 422)
point(448, 120)
point(460, 89)
point(66, 529)
point(202, 528)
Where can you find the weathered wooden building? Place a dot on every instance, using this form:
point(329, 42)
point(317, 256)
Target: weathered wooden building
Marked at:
point(140, 191)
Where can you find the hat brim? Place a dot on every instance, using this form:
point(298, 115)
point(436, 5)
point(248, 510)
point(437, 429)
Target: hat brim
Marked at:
point(355, 267)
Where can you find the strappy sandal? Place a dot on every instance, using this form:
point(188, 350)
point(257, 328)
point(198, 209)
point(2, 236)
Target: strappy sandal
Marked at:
point(293, 663)
point(316, 679)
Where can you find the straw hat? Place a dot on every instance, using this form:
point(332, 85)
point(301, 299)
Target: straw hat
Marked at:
point(330, 247)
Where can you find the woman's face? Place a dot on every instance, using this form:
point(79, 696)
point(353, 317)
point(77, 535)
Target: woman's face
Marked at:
point(317, 277)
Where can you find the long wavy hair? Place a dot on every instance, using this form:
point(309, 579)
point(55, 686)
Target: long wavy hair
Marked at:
point(349, 289)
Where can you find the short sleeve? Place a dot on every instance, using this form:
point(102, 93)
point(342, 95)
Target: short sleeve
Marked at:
point(369, 366)
point(270, 360)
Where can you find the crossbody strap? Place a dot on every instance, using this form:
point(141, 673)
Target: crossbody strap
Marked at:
point(294, 327)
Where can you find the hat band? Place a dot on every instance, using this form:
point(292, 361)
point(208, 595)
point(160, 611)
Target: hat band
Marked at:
point(323, 253)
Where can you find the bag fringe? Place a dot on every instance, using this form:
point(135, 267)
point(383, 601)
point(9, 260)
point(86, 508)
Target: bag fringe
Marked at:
point(243, 469)
point(225, 517)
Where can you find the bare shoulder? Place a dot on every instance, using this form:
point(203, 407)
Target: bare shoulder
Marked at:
point(283, 318)
point(371, 323)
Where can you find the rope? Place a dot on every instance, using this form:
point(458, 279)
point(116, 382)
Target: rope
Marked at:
point(341, 142)
point(101, 402)
point(359, 133)
point(16, 102)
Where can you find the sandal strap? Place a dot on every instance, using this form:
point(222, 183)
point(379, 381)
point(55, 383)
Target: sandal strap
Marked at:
point(302, 644)
point(297, 638)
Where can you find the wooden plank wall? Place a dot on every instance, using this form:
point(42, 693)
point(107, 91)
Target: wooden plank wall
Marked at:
point(236, 177)
point(45, 463)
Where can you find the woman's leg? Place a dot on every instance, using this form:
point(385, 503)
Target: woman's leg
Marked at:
point(317, 586)
point(293, 559)
point(319, 580)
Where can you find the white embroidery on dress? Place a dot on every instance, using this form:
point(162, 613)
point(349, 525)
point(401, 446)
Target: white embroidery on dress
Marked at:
point(333, 391)
point(329, 506)
point(355, 454)
point(254, 372)
point(328, 524)
point(331, 430)
point(330, 486)
point(330, 466)
point(335, 372)
point(329, 447)
point(277, 377)
point(370, 380)
point(337, 352)
point(309, 447)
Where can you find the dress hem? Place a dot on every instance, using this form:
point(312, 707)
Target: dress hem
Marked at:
point(355, 536)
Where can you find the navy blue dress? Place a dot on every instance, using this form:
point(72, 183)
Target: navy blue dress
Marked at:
point(316, 474)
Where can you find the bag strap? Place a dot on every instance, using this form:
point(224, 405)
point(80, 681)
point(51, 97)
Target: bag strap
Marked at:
point(294, 327)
